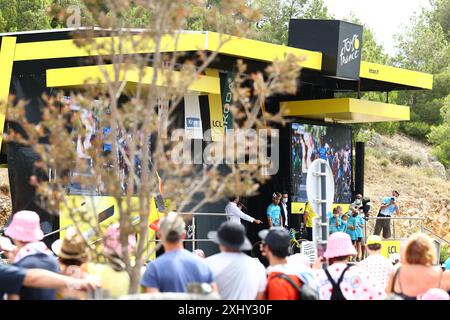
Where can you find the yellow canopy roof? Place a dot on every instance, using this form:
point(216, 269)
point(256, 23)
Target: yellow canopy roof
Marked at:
point(346, 110)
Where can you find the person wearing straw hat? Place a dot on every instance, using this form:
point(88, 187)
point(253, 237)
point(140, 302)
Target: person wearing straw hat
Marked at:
point(174, 270)
point(26, 233)
point(342, 281)
point(72, 253)
point(378, 266)
point(238, 276)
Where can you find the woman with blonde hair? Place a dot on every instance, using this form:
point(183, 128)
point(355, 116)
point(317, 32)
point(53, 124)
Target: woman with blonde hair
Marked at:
point(416, 273)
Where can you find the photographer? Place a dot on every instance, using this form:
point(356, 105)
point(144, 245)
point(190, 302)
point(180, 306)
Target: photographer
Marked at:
point(388, 208)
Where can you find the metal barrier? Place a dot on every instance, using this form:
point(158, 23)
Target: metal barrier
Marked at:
point(194, 215)
point(393, 219)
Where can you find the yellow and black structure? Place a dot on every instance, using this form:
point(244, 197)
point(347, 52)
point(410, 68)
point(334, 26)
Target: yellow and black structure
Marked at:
point(33, 63)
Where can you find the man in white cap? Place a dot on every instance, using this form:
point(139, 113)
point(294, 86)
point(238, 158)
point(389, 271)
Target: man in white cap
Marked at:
point(238, 276)
point(342, 281)
point(378, 266)
point(176, 268)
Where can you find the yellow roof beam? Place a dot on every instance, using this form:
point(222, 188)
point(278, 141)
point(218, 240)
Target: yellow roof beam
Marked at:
point(346, 110)
point(260, 50)
point(89, 75)
point(189, 41)
point(406, 77)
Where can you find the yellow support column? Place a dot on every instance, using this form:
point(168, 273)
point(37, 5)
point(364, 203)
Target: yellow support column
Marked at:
point(6, 64)
point(215, 111)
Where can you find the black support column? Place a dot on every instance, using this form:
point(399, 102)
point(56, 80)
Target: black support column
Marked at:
point(359, 168)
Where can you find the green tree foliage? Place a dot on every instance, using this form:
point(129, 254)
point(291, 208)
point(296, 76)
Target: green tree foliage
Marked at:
point(425, 47)
point(274, 23)
point(439, 136)
point(20, 15)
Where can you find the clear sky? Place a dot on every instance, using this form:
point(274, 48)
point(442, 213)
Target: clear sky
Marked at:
point(384, 17)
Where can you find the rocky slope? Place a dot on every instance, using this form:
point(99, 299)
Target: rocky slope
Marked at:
point(399, 163)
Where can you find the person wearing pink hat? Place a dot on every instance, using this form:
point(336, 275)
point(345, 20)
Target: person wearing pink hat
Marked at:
point(31, 252)
point(113, 275)
point(434, 294)
point(342, 281)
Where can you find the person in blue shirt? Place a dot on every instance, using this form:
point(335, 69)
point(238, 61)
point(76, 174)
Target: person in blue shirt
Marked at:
point(335, 220)
point(174, 270)
point(388, 208)
point(323, 149)
point(360, 235)
point(352, 224)
point(274, 211)
point(344, 219)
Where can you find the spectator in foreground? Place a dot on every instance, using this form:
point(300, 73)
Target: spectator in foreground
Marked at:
point(283, 277)
point(72, 253)
point(31, 253)
point(342, 281)
point(177, 267)
point(113, 275)
point(416, 274)
point(375, 264)
point(238, 276)
point(434, 294)
point(13, 279)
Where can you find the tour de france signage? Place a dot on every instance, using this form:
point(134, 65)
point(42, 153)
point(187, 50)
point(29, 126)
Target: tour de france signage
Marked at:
point(340, 43)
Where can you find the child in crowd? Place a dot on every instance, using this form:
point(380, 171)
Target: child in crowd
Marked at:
point(360, 236)
point(352, 225)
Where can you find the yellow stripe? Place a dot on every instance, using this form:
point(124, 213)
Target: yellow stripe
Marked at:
point(107, 45)
point(6, 65)
point(259, 50)
point(239, 47)
point(380, 72)
point(76, 76)
point(215, 110)
point(346, 110)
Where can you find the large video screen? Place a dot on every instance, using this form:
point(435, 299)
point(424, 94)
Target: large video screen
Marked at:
point(331, 143)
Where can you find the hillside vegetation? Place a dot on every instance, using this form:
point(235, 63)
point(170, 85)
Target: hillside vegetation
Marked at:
point(408, 166)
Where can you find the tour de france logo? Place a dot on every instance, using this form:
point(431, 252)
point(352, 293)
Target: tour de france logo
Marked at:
point(350, 49)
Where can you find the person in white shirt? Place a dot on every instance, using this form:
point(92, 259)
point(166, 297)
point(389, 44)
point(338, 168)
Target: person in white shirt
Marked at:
point(378, 266)
point(236, 214)
point(237, 276)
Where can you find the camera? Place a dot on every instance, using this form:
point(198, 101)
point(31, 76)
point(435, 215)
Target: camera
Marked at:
point(393, 199)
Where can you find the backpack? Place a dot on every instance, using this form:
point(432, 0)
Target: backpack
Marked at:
point(305, 291)
point(336, 294)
